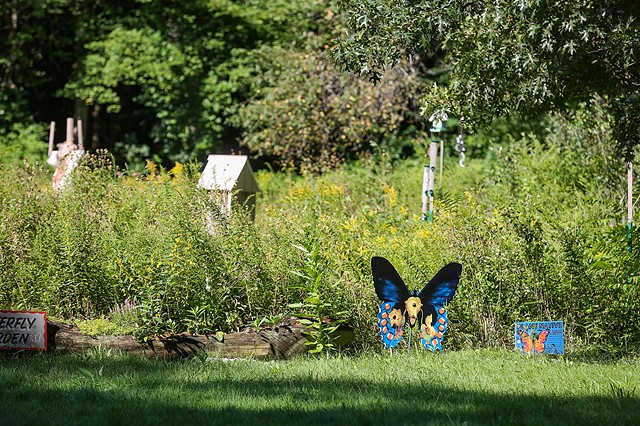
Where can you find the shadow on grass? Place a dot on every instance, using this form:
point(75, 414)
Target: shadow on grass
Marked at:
point(130, 391)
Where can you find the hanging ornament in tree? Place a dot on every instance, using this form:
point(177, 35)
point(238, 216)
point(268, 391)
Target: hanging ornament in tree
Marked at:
point(460, 149)
point(437, 119)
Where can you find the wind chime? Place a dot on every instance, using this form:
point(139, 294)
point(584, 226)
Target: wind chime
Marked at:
point(459, 147)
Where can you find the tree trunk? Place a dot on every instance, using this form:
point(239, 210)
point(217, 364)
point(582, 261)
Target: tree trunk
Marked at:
point(280, 342)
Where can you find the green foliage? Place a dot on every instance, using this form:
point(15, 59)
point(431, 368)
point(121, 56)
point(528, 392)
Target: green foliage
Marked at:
point(149, 79)
point(506, 56)
point(311, 118)
point(23, 142)
point(536, 225)
point(316, 300)
point(99, 326)
point(111, 237)
point(131, 57)
point(549, 217)
point(626, 111)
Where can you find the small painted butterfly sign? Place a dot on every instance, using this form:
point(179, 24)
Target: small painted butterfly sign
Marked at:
point(402, 309)
point(540, 337)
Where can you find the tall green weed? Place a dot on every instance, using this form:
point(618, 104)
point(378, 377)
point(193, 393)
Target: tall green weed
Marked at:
point(537, 226)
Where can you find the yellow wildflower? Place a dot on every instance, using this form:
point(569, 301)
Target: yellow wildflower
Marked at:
point(177, 170)
point(392, 194)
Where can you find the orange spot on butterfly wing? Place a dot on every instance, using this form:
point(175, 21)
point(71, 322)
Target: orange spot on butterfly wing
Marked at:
point(441, 310)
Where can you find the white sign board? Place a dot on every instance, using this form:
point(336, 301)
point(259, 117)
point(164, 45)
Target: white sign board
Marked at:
point(23, 330)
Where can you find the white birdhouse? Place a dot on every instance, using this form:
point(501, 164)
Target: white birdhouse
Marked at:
point(230, 181)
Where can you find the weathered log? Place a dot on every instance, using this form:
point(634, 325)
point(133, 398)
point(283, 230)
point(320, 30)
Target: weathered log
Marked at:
point(280, 342)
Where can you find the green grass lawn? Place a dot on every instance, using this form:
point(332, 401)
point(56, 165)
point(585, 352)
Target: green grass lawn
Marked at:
point(472, 387)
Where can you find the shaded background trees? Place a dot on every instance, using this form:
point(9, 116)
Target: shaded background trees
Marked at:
point(174, 80)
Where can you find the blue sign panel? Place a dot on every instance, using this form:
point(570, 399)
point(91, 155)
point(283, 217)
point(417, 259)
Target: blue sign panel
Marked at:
point(540, 337)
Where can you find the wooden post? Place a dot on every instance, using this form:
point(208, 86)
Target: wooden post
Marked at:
point(80, 139)
point(69, 130)
point(52, 132)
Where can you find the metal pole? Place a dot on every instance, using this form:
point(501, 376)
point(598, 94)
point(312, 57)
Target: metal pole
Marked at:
point(441, 161)
point(629, 204)
point(433, 156)
point(425, 192)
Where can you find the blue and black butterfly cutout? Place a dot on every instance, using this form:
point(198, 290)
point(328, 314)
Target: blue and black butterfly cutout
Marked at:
point(402, 309)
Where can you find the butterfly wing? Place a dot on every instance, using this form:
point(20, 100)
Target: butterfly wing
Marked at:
point(442, 287)
point(387, 282)
point(434, 296)
point(393, 292)
point(526, 342)
point(539, 343)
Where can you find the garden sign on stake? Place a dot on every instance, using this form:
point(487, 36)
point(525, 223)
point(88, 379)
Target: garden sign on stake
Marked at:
point(402, 308)
point(540, 337)
point(23, 330)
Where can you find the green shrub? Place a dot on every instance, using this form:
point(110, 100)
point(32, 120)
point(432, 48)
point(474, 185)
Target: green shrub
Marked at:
point(23, 142)
point(536, 225)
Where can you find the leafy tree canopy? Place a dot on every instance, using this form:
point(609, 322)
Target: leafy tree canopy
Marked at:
point(310, 117)
point(506, 56)
point(149, 78)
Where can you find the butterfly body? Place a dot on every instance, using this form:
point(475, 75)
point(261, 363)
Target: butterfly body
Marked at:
point(401, 308)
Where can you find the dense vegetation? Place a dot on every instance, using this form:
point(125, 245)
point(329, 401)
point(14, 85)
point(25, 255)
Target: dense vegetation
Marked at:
point(536, 225)
point(535, 218)
point(506, 56)
point(174, 81)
